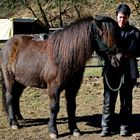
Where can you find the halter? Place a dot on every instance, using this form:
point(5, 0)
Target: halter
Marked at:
point(120, 84)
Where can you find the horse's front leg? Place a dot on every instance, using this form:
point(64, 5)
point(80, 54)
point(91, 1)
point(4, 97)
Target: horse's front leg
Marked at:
point(71, 108)
point(54, 96)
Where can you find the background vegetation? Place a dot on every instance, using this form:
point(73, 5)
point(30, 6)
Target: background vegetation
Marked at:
point(59, 13)
point(34, 102)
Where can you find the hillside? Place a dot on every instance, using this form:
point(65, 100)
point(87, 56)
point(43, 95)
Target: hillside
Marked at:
point(85, 7)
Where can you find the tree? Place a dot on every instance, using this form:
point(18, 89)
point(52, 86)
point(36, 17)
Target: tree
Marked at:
point(28, 5)
point(58, 13)
point(45, 7)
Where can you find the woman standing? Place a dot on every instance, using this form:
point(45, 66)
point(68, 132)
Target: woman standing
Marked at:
point(122, 80)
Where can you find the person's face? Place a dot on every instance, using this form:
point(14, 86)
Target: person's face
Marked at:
point(122, 19)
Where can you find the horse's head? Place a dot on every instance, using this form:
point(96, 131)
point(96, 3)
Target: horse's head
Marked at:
point(108, 38)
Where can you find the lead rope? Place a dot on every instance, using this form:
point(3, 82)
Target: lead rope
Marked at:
point(115, 89)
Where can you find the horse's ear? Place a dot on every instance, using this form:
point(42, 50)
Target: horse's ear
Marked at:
point(98, 21)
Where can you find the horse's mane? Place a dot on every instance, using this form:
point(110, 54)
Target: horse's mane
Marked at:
point(75, 42)
point(72, 42)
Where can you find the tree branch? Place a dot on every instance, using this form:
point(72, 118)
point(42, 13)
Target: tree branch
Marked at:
point(43, 14)
point(135, 7)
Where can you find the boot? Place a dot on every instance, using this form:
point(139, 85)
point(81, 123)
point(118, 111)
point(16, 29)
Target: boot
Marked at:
point(125, 131)
point(105, 132)
point(105, 125)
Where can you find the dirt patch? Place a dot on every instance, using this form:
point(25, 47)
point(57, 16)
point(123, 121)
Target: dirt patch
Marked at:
point(35, 109)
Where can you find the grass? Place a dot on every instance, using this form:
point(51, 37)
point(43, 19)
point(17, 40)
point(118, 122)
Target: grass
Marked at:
point(94, 67)
point(93, 71)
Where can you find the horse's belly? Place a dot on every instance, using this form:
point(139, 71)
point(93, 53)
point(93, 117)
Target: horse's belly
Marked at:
point(34, 81)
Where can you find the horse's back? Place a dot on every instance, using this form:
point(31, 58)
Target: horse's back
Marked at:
point(24, 57)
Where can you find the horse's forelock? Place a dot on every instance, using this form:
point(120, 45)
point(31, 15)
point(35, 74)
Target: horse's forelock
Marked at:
point(109, 27)
point(112, 28)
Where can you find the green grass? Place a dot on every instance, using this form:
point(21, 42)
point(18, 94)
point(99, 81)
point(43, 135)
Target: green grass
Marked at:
point(94, 67)
point(93, 71)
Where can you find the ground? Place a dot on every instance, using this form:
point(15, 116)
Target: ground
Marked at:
point(35, 109)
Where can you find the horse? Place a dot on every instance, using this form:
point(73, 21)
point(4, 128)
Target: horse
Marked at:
point(56, 63)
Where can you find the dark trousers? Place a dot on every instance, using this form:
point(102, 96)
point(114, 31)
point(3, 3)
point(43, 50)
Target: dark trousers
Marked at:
point(110, 98)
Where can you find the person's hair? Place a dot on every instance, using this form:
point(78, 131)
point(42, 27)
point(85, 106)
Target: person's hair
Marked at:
point(124, 8)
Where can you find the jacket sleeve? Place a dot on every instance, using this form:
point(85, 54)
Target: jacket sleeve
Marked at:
point(134, 47)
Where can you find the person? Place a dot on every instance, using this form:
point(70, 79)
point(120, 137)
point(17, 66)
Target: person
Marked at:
point(121, 80)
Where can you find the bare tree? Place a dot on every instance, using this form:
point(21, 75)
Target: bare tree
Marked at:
point(60, 12)
point(45, 22)
point(43, 14)
point(136, 5)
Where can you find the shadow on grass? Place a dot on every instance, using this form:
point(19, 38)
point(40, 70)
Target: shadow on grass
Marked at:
point(90, 120)
point(33, 122)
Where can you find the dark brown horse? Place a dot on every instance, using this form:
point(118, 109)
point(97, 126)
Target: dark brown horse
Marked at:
point(57, 63)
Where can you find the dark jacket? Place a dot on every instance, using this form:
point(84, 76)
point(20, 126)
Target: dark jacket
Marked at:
point(130, 44)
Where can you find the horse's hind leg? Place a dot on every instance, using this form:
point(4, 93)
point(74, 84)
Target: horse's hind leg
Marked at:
point(54, 96)
point(16, 92)
point(7, 97)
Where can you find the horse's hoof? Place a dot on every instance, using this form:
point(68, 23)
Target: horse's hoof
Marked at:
point(20, 118)
point(76, 133)
point(53, 136)
point(14, 127)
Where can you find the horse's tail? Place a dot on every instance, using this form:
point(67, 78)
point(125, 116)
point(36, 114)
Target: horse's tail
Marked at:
point(3, 87)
